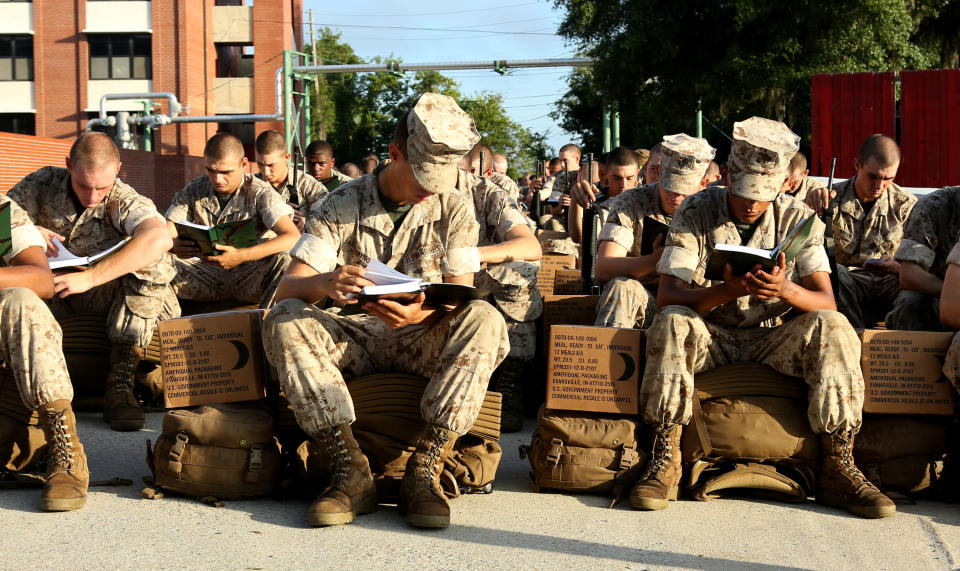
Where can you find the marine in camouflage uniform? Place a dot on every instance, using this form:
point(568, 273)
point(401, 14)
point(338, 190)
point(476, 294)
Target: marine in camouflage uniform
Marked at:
point(951, 364)
point(805, 187)
point(507, 184)
point(31, 347)
point(930, 234)
point(863, 296)
point(250, 282)
point(627, 301)
point(819, 345)
point(306, 193)
point(457, 349)
point(135, 302)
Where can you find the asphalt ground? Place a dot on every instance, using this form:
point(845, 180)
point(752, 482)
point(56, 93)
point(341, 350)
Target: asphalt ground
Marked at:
point(512, 528)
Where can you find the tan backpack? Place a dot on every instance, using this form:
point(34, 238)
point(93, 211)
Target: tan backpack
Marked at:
point(23, 445)
point(221, 451)
point(388, 423)
point(750, 431)
point(574, 451)
point(902, 453)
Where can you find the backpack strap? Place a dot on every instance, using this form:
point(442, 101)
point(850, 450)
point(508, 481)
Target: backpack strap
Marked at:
point(256, 464)
point(556, 449)
point(628, 457)
point(176, 451)
point(701, 425)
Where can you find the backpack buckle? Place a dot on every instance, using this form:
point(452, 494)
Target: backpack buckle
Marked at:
point(256, 463)
point(628, 456)
point(176, 451)
point(556, 448)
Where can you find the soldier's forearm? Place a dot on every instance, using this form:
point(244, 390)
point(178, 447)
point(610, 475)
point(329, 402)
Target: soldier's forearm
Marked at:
point(673, 291)
point(306, 288)
point(144, 249)
point(518, 249)
point(37, 279)
point(914, 278)
point(639, 267)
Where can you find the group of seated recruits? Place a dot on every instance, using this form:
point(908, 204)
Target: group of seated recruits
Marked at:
point(425, 213)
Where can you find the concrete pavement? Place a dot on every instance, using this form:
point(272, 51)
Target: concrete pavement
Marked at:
point(513, 528)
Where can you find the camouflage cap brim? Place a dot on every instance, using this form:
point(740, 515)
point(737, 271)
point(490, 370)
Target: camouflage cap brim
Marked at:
point(685, 184)
point(754, 186)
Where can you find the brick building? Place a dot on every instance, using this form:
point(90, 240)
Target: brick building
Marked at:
point(219, 57)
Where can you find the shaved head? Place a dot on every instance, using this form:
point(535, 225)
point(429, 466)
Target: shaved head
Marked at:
point(500, 163)
point(881, 148)
point(94, 151)
point(271, 141)
point(223, 147)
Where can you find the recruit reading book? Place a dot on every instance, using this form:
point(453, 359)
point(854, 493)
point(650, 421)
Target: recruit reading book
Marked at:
point(64, 259)
point(6, 240)
point(239, 234)
point(744, 258)
point(651, 229)
point(399, 287)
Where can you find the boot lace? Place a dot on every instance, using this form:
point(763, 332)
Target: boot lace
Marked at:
point(61, 454)
point(429, 464)
point(124, 374)
point(845, 460)
point(662, 451)
point(339, 456)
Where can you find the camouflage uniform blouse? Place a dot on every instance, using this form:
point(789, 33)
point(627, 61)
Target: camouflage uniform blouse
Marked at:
point(931, 231)
point(861, 237)
point(436, 238)
point(308, 190)
point(197, 203)
point(704, 220)
point(23, 234)
point(624, 224)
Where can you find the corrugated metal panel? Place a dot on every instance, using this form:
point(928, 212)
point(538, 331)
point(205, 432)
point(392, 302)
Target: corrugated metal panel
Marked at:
point(20, 155)
point(846, 109)
point(930, 121)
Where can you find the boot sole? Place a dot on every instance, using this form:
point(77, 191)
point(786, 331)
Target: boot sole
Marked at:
point(825, 498)
point(653, 504)
point(62, 504)
point(365, 506)
point(428, 521)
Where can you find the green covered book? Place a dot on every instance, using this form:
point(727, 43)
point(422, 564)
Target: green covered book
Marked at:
point(239, 234)
point(6, 240)
point(744, 258)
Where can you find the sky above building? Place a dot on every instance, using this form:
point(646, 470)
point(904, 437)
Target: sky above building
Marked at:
point(443, 31)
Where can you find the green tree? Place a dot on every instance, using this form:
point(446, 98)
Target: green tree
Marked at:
point(741, 58)
point(357, 113)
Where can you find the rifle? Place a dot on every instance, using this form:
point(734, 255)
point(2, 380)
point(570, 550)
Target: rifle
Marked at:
point(535, 198)
point(827, 219)
point(588, 241)
point(295, 195)
point(480, 174)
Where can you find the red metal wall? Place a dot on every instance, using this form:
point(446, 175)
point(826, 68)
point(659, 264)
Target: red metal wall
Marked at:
point(847, 108)
point(930, 128)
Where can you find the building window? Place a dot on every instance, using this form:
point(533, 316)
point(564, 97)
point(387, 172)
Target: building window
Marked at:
point(16, 58)
point(120, 57)
point(22, 123)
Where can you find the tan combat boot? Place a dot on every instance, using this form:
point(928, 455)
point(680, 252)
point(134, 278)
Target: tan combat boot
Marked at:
point(67, 475)
point(661, 481)
point(422, 499)
point(352, 490)
point(508, 381)
point(842, 485)
point(120, 406)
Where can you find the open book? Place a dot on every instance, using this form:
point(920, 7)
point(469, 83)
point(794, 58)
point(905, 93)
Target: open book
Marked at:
point(64, 259)
point(651, 229)
point(399, 287)
point(239, 234)
point(744, 258)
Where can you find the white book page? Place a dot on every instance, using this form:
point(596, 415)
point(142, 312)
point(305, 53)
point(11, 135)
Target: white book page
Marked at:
point(391, 288)
point(381, 274)
point(192, 225)
point(64, 258)
point(746, 249)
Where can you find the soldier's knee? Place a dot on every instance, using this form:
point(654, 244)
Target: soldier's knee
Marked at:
point(672, 317)
point(21, 298)
point(282, 313)
point(481, 312)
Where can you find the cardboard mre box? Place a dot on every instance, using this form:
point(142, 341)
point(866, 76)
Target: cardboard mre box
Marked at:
point(595, 369)
point(567, 281)
point(567, 310)
point(549, 264)
point(903, 372)
point(212, 358)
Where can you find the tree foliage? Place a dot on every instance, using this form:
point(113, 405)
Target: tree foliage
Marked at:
point(740, 57)
point(357, 113)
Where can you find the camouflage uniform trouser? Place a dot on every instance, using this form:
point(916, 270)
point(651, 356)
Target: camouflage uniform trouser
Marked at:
point(951, 364)
point(513, 291)
point(914, 311)
point(252, 282)
point(626, 303)
point(310, 347)
point(819, 346)
point(133, 308)
point(31, 345)
point(863, 297)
